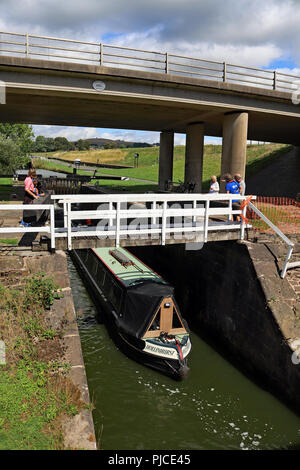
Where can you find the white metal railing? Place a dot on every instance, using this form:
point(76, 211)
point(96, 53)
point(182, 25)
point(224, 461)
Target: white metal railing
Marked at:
point(32, 208)
point(51, 48)
point(186, 216)
point(290, 244)
point(137, 215)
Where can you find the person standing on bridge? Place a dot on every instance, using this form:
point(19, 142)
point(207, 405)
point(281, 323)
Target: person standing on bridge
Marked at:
point(214, 185)
point(241, 182)
point(29, 195)
point(232, 187)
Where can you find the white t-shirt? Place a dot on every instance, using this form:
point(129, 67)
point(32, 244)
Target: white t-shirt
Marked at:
point(214, 187)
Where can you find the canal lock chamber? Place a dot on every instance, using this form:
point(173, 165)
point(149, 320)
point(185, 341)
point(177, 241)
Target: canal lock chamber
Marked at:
point(225, 403)
point(227, 292)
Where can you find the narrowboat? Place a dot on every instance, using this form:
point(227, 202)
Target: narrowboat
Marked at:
point(138, 308)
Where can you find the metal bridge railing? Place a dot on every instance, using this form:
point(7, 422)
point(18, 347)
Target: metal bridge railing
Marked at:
point(70, 50)
point(155, 215)
point(280, 214)
point(189, 217)
point(31, 207)
point(278, 232)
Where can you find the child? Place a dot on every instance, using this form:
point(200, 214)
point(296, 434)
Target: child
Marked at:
point(37, 188)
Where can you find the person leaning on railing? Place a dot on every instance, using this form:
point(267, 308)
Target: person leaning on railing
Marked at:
point(29, 195)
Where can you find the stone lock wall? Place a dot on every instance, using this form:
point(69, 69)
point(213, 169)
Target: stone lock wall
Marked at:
point(234, 292)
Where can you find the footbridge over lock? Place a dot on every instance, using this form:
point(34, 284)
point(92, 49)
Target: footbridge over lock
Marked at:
point(89, 221)
point(57, 81)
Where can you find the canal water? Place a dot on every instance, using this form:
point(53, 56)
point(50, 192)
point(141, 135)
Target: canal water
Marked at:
point(216, 407)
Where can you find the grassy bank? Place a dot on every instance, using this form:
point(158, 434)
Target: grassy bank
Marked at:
point(6, 188)
point(258, 157)
point(9, 241)
point(35, 393)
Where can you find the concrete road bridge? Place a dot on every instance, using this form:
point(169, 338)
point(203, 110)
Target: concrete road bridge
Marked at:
point(72, 83)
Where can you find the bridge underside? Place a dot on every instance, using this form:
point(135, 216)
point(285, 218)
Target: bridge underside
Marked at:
point(58, 93)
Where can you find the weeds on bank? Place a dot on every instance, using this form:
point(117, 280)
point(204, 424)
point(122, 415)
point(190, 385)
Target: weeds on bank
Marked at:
point(34, 394)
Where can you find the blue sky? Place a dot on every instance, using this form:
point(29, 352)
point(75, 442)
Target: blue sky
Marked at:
point(263, 34)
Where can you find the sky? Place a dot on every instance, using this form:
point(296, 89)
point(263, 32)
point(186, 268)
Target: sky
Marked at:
point(258, 33)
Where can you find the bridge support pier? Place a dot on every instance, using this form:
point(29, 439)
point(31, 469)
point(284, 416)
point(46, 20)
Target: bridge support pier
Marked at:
point(234, 149)
point(166, 150)
point(194, 155)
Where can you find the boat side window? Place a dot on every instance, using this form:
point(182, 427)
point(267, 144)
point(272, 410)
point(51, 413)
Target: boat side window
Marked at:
point(100, 275)
point(88, 260)
point(94, 264)
point(114, 293)
point(83, 254)
point(106, 282)
point(91, 262)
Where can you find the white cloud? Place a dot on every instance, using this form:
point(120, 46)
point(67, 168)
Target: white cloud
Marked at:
point(231, 30)
point(246, 32)
point(239, 54)
point(71, 133)
point(75, 133)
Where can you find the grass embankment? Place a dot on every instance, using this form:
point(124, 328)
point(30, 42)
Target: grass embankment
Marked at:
point(258, 157)
point(35, 393)
point(5, 188)
point(9, 241)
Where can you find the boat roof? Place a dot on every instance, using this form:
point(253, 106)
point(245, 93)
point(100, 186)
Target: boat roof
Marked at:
point(128, 273)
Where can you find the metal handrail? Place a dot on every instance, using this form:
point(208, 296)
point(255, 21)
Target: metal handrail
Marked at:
point(199, 206)
point(159, 211)
point(31, 207)
point(159, 58)
point(290, 244)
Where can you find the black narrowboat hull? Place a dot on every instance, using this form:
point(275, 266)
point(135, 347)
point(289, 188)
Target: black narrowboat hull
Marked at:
point(131, 346)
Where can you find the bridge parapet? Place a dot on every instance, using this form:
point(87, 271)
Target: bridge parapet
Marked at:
point(93, 53)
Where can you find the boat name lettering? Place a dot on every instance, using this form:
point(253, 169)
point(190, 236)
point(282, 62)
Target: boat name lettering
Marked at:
point(158, 350)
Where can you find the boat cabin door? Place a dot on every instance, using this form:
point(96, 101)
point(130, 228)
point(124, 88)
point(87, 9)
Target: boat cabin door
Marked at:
point(166, 319)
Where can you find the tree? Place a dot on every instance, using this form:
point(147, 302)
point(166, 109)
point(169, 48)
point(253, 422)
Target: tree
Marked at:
point(50, 144)
point(21, 134)
point(83, 144)
point(10, 155)
point(40, 144)
point(61, 143)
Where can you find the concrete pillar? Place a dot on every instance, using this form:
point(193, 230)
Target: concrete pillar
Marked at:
point(194, 155)
point(166, 150)
point(234, 149)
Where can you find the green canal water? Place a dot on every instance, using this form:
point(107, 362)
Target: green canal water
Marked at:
point(216, 407)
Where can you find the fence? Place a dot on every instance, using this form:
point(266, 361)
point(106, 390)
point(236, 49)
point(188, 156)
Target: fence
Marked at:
point(284, 212)
point(70, 50)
